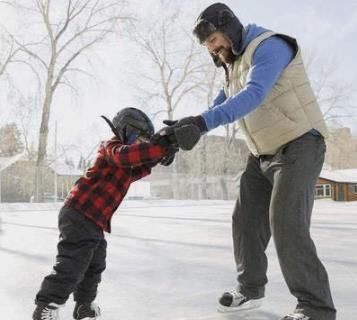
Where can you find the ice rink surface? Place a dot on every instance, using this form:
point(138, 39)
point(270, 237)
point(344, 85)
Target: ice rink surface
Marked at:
point(169, 260)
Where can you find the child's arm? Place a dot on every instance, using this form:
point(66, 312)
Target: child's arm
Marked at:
point(142, 171)
point(133, 155)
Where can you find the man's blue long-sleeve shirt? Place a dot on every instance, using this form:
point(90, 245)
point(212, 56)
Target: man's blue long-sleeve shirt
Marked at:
point(269, 60)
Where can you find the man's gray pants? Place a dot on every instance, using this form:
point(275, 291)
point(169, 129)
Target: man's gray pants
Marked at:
point(276, 199)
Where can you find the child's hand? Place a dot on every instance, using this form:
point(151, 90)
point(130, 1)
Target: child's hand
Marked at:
point(184, 136)
point(169, 159)
point(165, 137)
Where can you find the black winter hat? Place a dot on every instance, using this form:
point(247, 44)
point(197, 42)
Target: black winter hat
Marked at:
point(219, 17)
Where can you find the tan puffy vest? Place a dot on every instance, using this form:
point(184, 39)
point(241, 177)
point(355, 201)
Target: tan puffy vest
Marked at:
point(289, 110)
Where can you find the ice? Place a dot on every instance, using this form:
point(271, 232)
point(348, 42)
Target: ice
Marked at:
point(169, 260)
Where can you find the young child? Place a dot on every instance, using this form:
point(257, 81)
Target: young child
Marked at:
point(88, 209)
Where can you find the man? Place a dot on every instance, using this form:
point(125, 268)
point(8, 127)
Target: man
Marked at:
point(267, 91)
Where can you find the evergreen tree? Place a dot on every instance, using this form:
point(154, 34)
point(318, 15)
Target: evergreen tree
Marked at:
point(10, 140)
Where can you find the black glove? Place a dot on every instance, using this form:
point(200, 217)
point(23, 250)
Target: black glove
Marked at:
point(197, 121)
point(167, 139)
point(187, 131)
point(169, 159)
point(170, 122)
point(184, 137)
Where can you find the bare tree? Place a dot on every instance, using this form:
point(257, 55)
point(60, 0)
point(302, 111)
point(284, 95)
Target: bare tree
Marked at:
point(71, 29)
point(210, 86)
point(175, 60)
point(25, 114)
point(8, 52)
point(332, 95)
point(175, 72)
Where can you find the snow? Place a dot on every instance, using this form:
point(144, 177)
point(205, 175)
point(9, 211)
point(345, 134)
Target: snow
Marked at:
point(169, 260)
point(63, 169)
point(8, 161)
point(343, 175)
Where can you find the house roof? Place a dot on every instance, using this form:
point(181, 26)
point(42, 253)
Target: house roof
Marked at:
point(63, 169)
point(6, 162)
point(343, 175)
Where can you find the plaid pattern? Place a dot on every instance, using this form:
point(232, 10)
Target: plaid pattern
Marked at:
point(100, 191)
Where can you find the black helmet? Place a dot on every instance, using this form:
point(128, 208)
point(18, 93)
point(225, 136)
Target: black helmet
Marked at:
point(219, 17)
point(129, 123)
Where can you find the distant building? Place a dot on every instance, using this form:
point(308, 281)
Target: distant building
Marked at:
point(66, 176)
point(7, 178)
point(339, 185)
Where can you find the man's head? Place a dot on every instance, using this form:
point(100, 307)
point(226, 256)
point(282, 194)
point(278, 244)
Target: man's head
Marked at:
point(131, 125)
point(220, 31)
point(220, 47)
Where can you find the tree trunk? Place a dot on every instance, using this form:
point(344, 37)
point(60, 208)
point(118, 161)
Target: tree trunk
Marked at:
point(42, 145)
point(223, 181)
point(203, 169)
point(224, 187)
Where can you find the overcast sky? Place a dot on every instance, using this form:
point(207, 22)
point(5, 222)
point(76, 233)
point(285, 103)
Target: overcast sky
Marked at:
point(326, 28)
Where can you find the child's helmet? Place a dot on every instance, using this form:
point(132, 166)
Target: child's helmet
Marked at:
point(130, 123)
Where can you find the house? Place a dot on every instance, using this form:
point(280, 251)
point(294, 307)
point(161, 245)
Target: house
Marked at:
point(5, 165)
point(64, 176)
point(339, 185)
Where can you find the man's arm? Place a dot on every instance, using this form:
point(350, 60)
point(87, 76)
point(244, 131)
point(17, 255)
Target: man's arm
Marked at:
point(220, 98)
point(269, 61)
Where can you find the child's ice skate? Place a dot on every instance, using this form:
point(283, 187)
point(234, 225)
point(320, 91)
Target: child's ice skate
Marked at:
point(46, 311)
point(86, 311)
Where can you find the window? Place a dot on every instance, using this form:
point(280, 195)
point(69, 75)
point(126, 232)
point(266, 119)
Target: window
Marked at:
point(354, 188)
point(324, 191)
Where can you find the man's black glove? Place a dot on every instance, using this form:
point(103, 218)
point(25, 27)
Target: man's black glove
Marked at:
point(197, 121)
point(187, 131)
point(185, 137)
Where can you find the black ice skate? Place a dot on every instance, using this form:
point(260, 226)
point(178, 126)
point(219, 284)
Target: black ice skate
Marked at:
point(46, 311)
point(235, 301)
point(296, 316)
point(86, 311)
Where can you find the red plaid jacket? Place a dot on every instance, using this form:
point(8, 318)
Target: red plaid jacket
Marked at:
point(101, 190)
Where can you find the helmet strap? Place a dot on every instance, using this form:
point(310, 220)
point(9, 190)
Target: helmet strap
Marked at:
point(111, 127)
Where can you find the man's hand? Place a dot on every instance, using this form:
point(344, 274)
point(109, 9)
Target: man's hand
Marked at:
point(185, 137)
point(186, 131)
point(198, 121)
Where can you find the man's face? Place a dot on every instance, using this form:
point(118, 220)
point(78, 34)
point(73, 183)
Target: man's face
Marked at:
point(220, 45)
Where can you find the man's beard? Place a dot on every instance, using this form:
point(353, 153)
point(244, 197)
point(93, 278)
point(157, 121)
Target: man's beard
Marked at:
point(226, 55)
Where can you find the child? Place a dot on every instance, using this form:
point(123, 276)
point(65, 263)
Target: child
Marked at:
point(88, 209)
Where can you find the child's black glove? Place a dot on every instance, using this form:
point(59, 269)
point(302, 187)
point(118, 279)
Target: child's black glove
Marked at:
point(185, 137)
point(169, 143)
point(169, 159)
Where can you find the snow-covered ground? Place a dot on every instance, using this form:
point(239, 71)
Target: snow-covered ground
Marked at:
point(169, 260)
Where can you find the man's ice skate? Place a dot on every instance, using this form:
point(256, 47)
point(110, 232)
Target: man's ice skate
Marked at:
point(46, 311)
point(86, 311)
point(296, 316)
point(235, 301)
